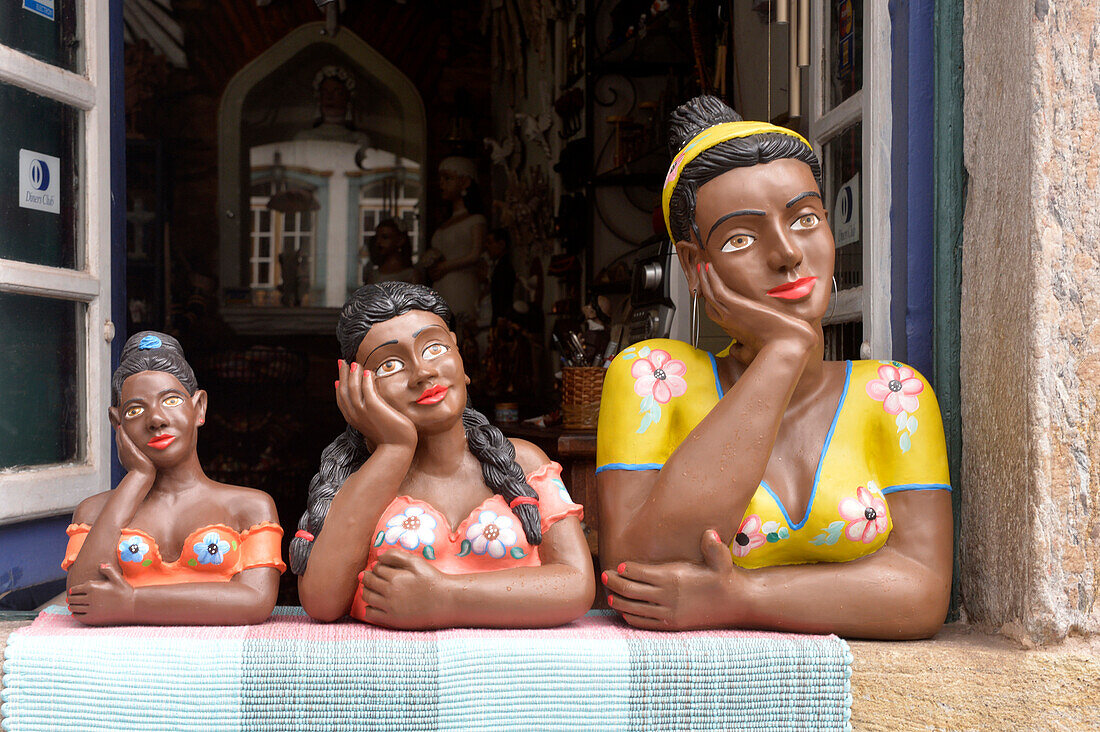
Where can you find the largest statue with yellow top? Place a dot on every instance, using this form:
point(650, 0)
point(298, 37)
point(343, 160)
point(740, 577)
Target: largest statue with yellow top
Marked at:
point(764, 487)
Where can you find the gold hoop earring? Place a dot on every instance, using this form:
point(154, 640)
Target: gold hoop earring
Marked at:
point(695, 318)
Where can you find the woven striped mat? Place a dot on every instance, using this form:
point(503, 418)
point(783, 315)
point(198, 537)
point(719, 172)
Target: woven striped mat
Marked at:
point(293, 674)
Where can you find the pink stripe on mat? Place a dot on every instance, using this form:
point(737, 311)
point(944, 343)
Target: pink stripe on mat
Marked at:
point(295, 626)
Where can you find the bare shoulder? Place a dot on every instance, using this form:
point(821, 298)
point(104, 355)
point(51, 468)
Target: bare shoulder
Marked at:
point(248, 505)
point(529, 456)
point(90, 508)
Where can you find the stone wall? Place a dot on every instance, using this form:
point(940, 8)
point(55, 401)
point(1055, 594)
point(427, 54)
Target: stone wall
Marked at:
point(1030, 539)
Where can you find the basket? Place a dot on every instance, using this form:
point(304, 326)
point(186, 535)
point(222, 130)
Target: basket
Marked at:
point(580, 396)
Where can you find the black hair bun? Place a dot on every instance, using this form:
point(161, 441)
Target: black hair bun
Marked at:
point(150, 341)
point(694, 116)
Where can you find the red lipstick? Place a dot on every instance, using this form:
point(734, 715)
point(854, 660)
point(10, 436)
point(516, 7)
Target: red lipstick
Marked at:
point(161, 441)
point(433, 395)
point(794, 290)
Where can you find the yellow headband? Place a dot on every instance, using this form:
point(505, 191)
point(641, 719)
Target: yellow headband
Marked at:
point(707, 139)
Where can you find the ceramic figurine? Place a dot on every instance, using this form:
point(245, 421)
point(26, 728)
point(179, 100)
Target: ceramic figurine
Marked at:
point(422, 514)
point(169, 546)
point(764, 487)
point(457, 244)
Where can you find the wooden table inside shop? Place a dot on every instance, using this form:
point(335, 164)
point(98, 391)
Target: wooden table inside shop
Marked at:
point(575, 450)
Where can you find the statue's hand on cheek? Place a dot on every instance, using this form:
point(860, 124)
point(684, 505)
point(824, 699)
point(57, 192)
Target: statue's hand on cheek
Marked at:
point(680, 595)
point(365, 409)
point(132, 459)
point(404, 590)
point(109, 601)
point(751, 322)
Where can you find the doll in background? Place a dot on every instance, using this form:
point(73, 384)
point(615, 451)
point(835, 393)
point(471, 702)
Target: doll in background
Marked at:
point(456, 246)
point(169, 546)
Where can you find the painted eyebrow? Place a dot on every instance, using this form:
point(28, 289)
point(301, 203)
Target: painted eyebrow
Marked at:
point(741, 212)
point(800, 196)
point(432, 325)
point(387, 343)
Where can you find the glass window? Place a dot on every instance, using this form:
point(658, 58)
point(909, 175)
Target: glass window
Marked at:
point(39, 201)
point(40, 380)
point(843, 160)
point(845, 51)
point(43, 29)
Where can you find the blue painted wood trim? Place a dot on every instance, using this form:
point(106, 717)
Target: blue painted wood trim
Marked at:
point(949, 202)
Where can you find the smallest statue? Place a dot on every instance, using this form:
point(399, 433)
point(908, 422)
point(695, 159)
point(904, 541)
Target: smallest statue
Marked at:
point(169, 546)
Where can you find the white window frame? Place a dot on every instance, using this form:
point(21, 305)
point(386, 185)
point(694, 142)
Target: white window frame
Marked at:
point(28, 493)
point(871, 104)
point(259, 205)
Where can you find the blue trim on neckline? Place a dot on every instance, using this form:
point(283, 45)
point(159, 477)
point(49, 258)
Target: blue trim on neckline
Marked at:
point(820, 460)
point(717, 381)
point(917, 487)
point(630, 466)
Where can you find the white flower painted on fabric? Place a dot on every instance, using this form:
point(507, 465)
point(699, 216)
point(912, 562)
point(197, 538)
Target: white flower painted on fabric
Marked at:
point(492, 534)
point(411, 528)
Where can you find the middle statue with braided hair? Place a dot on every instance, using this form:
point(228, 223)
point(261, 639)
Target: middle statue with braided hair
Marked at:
point(422, 514)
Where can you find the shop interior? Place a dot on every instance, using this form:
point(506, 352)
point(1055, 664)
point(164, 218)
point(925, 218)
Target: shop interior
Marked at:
point(280, 153)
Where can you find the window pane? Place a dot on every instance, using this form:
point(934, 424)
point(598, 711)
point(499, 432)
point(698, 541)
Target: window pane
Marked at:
point(41, 378)
point(843, 162)
point(38, 182)
point(26, 26)
point(845, 59)
point(843, 340)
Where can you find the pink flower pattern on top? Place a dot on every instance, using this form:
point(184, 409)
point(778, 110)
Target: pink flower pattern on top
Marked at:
point(866, 514)
point(897, 388)
point(748, 536)
point(659, 375)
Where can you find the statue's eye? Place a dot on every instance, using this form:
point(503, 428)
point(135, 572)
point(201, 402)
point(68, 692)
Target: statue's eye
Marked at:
point(173, 401)
point(134, 411)
point(737, 242)
point(808, 221)
point(435, 350)
point(391, 366)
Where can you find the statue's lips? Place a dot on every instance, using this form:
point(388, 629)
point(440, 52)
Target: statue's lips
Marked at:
point(432, 395)
point(794, 290)
point(161, 441)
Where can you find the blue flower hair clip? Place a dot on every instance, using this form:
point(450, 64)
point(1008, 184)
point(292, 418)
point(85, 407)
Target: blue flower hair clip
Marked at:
point(149, 342)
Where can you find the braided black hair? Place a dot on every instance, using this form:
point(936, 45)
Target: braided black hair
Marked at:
point(696, 115)
point(378, 303)
point(152, 351)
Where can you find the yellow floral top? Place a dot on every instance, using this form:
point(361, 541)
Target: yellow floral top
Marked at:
point(886, 436)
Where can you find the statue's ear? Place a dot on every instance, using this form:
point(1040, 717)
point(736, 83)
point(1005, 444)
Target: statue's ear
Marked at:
point(113, 415)
point(198, 400)
point(691, 259)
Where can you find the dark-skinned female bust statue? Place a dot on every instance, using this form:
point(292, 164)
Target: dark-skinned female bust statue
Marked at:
point(765, 487)
point(169, 546)
point(422, 514)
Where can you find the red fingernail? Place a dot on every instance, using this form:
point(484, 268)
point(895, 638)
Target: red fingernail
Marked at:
point(337, 383)
point(361, 576)
point(603, 578)
point(610, 600)
point(352, 367)
point(339, 362)
point(103, 565)
point(620, 568)
point(698, 266)
point(714, 534)
point(708, 266)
